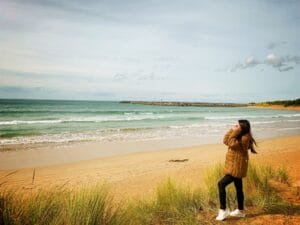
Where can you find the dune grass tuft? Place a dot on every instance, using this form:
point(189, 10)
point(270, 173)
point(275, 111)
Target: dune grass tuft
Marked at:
point(88, 205)
point(172, 204)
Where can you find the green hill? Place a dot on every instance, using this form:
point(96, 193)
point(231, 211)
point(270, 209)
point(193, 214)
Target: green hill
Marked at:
point(285, 103)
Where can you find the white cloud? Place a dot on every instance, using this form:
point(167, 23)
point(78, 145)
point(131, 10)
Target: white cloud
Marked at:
point(274, 60)
point(248, 62)
point(283, 64)
point(295, 59)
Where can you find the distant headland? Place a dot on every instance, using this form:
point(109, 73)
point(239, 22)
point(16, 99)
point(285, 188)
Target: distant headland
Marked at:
point(278, 104)
point(171, 103)
point(285, 103)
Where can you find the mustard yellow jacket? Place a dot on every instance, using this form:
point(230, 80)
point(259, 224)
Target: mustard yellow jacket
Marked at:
point(236, 163)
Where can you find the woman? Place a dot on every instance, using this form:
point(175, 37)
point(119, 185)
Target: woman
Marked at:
point(239, 140)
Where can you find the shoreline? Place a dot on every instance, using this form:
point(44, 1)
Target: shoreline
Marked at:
point(20, 156)
point(138, 174)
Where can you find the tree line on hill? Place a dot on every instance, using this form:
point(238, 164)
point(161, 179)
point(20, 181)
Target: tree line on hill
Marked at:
point(295, 102)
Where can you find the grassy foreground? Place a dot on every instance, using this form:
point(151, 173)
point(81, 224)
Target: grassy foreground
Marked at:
point(171, 204)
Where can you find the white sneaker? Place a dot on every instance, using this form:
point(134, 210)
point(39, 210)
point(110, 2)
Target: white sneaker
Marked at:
point(237, 213)
point(222, 214)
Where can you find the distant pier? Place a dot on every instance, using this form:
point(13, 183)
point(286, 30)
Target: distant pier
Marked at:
point(198, 104)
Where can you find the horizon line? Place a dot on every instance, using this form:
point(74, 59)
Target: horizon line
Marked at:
point(94, 100)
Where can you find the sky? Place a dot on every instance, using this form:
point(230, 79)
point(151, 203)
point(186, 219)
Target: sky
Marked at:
point(210, 51)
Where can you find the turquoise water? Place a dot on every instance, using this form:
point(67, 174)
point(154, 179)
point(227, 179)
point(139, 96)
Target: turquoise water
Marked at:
point(36, 121)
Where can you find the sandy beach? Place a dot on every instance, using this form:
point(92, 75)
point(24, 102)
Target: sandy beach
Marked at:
point(137, 175)
point(117, 113)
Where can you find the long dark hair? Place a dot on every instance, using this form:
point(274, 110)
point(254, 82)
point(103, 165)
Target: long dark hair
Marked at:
point(245, 129)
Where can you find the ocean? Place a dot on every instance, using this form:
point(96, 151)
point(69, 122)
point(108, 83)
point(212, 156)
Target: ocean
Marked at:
point(60, 121)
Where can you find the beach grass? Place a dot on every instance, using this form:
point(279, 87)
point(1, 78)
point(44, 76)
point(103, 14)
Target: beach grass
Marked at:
point(86, 205)
point(171, 203)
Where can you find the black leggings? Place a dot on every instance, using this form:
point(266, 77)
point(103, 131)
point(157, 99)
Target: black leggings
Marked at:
point(227, 179)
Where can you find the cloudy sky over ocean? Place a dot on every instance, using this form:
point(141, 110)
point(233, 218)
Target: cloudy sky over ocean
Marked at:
point(218, 51)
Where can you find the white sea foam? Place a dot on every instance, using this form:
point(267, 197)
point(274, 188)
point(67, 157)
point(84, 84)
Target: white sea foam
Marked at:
point(15, 122)
point(89, 119)
point(264, 122)
point(289, 128)
point(293, 120)
point(251, 116)
point(198, 125)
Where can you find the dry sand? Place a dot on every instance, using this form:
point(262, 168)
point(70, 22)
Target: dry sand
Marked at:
point(138, 174)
